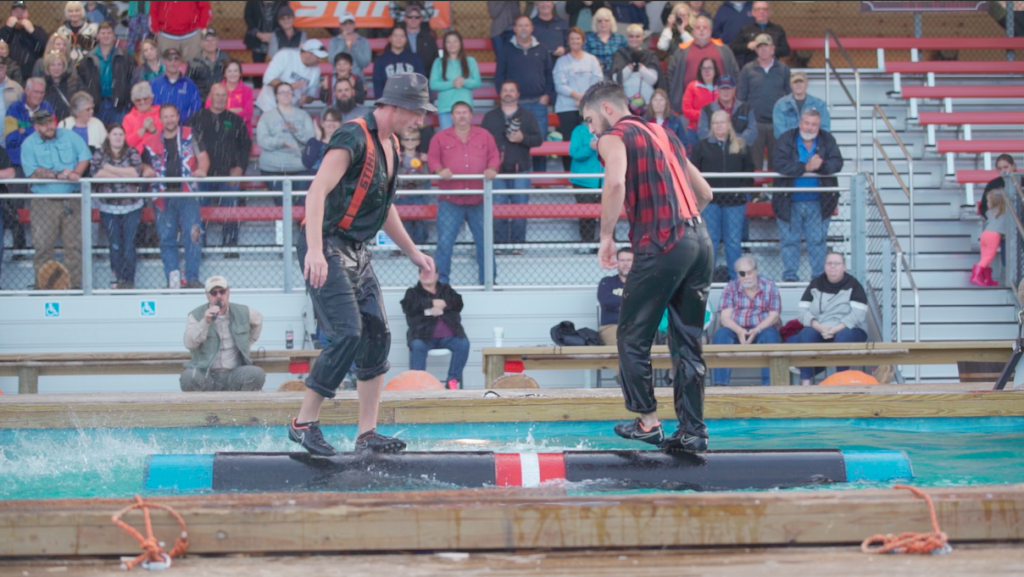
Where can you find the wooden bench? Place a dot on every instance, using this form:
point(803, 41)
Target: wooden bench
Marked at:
point(778, 358)
point(28, 367)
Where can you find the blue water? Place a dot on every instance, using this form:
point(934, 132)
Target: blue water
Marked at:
point(63, 463)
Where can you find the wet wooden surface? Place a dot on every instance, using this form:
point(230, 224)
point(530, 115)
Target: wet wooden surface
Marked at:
point(965, 561)
point(399, 407)
point(512, 520)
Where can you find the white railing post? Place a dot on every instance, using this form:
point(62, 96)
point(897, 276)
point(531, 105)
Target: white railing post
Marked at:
point(86, 238)
point(488, 235)
point(286, 230)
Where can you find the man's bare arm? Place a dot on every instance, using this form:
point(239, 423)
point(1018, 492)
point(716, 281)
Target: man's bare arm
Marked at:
point(701, 188)
point(613, 192)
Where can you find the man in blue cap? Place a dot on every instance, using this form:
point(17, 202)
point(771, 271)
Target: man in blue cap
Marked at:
point(351, 199)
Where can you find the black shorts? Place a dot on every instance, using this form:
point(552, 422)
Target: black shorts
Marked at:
point(350, 310)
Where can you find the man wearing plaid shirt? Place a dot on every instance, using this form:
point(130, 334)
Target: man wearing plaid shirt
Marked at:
point(646, 169)
point(749, 313)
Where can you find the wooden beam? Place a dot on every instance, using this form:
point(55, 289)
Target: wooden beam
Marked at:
point(492, 519)
point(469, 406)
point(779, 371)
point(28, 381)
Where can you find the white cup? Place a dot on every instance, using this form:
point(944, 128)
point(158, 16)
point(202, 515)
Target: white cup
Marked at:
point(499, 336)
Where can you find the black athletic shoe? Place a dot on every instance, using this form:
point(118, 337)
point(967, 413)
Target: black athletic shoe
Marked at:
point(373, 441)
point(310, 437)
point(685, 443)
point(635, 431)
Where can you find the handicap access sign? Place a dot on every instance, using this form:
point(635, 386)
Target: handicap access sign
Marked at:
point(52, 310)
point(147, 308)
point(384, 240)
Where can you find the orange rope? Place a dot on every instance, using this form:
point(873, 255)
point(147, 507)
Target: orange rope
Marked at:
point(935, 542)
point(153, 550)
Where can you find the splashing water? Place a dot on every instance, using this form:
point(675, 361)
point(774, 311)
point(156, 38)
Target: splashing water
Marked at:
point(63, 463)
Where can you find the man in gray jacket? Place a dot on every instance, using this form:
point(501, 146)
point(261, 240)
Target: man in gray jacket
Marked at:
point(220, 357)
point(762, 83)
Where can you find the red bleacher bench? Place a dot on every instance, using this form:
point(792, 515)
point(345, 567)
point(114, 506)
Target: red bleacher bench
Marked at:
point(980, 146)
point(961, 118)
point(551, 147)
point(226, 214)
point(941, 43)
point(956, 67)
point(976, 176)
point(478, 118)
point(962, 92)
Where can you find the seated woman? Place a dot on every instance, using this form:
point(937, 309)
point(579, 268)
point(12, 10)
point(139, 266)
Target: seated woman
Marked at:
point(82, 122)
point(433, 312)
point(834, 308)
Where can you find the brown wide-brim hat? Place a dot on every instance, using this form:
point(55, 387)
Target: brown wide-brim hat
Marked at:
point(53, 276)
point(408, 90)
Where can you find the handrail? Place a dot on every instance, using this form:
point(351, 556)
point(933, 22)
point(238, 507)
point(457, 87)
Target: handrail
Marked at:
point(856, 84)
point(909, 191)
point(1020, 230)
point(901, 260)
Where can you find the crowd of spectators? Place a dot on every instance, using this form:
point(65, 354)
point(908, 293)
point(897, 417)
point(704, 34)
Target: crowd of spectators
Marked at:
point(698, 66)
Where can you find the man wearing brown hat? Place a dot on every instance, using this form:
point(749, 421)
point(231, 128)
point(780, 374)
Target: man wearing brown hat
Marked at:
point(351, 199)
point(761, 84)
point(219, 335)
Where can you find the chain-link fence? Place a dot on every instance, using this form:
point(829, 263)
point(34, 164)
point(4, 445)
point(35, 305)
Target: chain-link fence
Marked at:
point(509, 233)
point(889, 280)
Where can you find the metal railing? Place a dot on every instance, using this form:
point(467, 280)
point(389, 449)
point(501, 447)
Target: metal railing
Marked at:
point(1014, 272)
point(877, 147)
point(887, 266)
point(854, 100)
point(289, 271)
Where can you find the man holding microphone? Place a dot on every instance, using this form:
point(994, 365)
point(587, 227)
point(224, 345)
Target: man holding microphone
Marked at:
point(219, 335)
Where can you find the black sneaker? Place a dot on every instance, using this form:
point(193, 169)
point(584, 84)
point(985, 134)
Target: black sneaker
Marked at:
point(310, 437)
point(373, 441)
point(685, 443)
point(635, 431)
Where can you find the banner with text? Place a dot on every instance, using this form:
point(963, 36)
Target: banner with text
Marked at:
point(368, 14)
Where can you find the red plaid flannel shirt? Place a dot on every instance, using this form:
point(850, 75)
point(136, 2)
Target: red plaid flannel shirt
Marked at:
point(656, 218)
point(750, 312)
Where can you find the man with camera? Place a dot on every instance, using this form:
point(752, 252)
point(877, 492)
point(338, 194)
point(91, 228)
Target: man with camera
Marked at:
point(219, 335)
point(515, 131)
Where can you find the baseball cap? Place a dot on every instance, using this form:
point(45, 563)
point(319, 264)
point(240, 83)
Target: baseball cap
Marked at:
point(763, 39)
point(797, 76)
point(19, 4)
point(315, 46)
point(346, 17)
point(209, 32)
point(40, 116)
point(285, 10)
point(216, 282)
point(171, 53)
point(726, 82)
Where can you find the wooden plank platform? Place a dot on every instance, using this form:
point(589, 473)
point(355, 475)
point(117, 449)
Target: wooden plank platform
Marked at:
point(471, 406)
point(491, 519)
point(777, 357)
point(971, 560)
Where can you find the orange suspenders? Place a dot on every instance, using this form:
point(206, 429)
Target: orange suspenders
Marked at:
point(365, 177)
point(680, 179)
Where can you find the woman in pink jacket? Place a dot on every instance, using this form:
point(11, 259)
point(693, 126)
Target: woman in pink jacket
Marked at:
point(700, 92)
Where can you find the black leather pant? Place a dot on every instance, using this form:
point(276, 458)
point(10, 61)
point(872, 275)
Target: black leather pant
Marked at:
point(678, 280)
point(350, 310)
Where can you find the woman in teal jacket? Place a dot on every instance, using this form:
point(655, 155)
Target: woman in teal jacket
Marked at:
point(583, 150)
point(453, 77)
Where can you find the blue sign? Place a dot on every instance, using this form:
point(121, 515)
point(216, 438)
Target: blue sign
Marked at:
point(384, 240)
point(147, 308)
point(52, 310)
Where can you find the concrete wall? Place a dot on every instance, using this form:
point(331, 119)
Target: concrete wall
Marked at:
point(116, 323)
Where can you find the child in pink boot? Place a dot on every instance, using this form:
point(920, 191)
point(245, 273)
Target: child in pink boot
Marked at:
point(995, 227)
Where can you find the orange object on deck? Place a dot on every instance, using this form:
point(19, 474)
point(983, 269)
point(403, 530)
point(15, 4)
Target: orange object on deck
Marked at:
point(414, 381)
point(850, 378)
point(154, 557)
point(935, 542)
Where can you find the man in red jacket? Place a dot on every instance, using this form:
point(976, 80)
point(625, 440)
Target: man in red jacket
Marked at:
point(177, 25)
